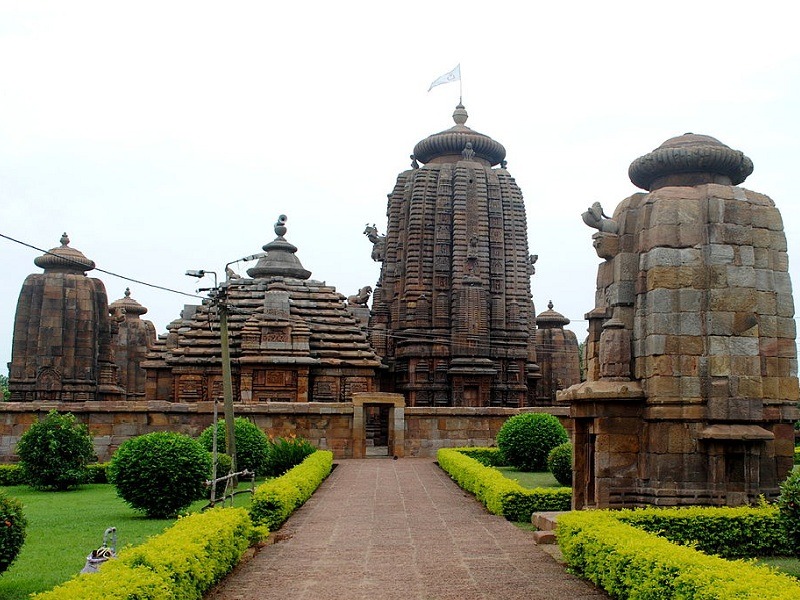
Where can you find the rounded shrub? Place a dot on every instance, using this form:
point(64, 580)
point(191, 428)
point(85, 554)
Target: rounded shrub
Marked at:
point(160, 473)
point(53, 452)
point(12, 530)
point(285, 453)
point(252, 445)
point(526, 440)
point(559, 463)
point(789, 507)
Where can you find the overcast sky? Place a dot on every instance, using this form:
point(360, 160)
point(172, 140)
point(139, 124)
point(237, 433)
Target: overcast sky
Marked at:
point(166, 136)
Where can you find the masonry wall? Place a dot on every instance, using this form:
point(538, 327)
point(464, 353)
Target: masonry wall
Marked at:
point(327, 425)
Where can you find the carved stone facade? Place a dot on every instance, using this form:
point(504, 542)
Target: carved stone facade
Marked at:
point(62, 333)
point(132, 337)
point(557, 351)
point(292, 339)
point(452, 314)
point(692, 368)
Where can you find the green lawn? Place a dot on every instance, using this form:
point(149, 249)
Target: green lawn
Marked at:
point(63, 527)
point(785, 564)
point(530, 480)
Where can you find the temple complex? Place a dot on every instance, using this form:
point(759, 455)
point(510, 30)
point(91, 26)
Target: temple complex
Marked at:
point(692, 386)
point(452, 315)
point(62, 333)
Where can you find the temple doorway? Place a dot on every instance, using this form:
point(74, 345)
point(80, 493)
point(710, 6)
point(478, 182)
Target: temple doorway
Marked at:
point(376, 421)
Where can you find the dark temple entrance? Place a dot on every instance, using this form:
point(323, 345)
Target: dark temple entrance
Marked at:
point(376, 418)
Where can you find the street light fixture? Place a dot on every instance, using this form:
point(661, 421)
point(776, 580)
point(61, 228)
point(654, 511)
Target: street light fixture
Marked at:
point(219, 296)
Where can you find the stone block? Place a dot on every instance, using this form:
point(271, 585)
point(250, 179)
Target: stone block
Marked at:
point(719, 366)
point(762, 238)
point(743, 277)
point(786, 327)
point(765, 280)
point(691, 345)
point(654, 344)
point(749, 387)
point(743, 346)
point(662, 386)
point(745, 256)
point(732, 300)
point(690, 387)
point(784, 305)
point(762, 258)
point(720, 254)
point(690, 323)
point(777, 241)
point(780, 260)
point(767, 217)
point(788, 388)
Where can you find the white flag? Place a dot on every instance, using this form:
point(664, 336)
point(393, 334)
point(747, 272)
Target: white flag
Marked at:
point(454, 75)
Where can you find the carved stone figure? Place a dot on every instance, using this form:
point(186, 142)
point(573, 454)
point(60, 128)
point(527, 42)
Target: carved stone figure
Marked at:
point(362, 297)
point(595, 218)
point(378, 242)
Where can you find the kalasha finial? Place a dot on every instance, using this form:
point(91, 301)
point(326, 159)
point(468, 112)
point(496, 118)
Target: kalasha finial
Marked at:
point(127, 292)
point(460, 115)
point(280, 226)
point(64, 239)
point(550, 305)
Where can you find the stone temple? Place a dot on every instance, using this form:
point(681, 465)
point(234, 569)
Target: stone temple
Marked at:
point(452, 315)
point(692, 387)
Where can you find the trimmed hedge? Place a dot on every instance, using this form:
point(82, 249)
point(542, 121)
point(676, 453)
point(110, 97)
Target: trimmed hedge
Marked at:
point(183, 562)
point(490, 457)
point(276, 499)
point(500, 495)
point(628, 562)
point(742, 532)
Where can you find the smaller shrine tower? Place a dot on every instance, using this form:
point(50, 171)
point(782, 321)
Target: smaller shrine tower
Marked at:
point(132, 336)
point(692, 387)
point(62, 333)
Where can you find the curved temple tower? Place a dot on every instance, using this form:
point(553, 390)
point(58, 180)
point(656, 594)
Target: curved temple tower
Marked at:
point(452, 312)
point(692, 372)
point(62, 333)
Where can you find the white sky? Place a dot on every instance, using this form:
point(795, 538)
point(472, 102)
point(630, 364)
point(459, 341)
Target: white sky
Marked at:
point(167, 136)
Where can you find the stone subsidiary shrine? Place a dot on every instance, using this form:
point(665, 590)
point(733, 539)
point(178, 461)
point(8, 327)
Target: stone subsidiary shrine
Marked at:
point(691, 384)
point(692, 388)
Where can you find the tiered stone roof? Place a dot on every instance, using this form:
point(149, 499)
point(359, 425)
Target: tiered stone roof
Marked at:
point(316, 311)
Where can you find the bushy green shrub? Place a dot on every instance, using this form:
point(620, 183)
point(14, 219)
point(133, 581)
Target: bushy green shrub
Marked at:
point(285, 453)
point(559, 463)
point(183, 562)
point(252, 445)
point(526, 440)
point(276, 499)
point(53, 452)
point(11, 475)
point(789, 506)
point(97, 473)
point(160, 473)
point(12, 530)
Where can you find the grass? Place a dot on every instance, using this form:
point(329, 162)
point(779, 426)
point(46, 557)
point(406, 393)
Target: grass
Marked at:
point(785, 564)
point(64, 527)
point(530, 480)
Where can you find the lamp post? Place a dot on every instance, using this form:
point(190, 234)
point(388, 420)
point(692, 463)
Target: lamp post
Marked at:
point(219, 296)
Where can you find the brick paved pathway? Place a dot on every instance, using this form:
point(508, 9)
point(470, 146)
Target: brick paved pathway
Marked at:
point(399, 529)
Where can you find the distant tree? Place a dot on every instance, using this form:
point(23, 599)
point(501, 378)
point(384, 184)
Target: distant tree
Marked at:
point(6, 393)
point(582, 359)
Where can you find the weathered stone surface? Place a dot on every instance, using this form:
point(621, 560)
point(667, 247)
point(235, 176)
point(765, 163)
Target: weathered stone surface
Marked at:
point(712, 335)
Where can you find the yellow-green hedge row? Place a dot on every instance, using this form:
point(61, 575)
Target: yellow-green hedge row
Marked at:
point(501, 495)
point(742, 532)
point(628, 562)
point(278, 498)
point(181, 563)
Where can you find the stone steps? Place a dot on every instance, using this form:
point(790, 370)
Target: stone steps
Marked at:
point(546, 523)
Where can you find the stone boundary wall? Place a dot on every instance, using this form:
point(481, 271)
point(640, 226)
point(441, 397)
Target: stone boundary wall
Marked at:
point(329, 426)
